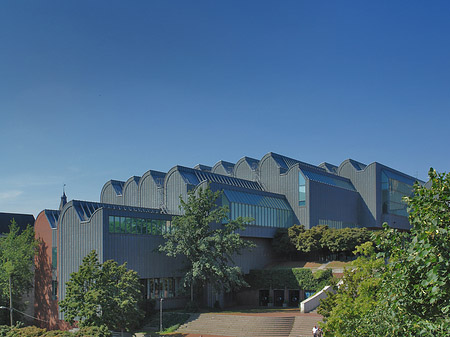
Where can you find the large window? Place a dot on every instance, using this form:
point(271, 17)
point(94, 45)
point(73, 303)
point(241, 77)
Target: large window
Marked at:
point(393, 188)
point(268, 211)
point(159, 287)
point(301, 190)
point(126, 225)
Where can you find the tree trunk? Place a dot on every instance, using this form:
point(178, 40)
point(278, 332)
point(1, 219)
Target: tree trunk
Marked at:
point(192, 291)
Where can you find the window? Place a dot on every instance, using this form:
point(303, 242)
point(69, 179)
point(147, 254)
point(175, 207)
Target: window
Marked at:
point(160, 287)
point(138, 226)
point(54, 289)
point(54, 257)
point(301, 190)
point(393, 189)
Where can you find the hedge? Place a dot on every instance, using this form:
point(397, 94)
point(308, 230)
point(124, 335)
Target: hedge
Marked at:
point(291, 278)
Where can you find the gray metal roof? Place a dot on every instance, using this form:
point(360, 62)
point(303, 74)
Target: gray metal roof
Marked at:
point(195, 177)
point(202, 167)
point(158, 177)
point(85, 209)
point(253, 163)
point(357, 165)
point(52, 217)
point(328, 178)
point(285, 163)
point(226, 165)
point(329, 167)
point(118, 186)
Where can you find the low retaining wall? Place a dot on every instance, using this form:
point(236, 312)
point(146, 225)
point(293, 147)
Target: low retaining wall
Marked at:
point(313, 302)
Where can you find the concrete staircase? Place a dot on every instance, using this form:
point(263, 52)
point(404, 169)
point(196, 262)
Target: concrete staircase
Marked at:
point(239, 326)
point(250, 326)
point(303, 325)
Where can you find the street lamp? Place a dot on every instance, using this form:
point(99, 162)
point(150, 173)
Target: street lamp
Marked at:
point(160, 314)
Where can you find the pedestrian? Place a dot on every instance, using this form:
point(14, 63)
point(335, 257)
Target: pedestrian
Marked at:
point(314, 331)
point(319, 332)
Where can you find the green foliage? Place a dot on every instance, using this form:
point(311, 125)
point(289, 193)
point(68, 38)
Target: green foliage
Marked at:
point(291, 278)
point(147, 305)
point(58, 333)
point(171, 321)
point(17, 251)
point(28, 331)
point(208, 240)
point(309, 241)
point(357, 296)
point(410, 295)
point(103, 294)
point(4, 329)
point(284, 241)
point(93, 331)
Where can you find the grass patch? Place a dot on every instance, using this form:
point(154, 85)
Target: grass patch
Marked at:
point(338, 264)
point(171, 321)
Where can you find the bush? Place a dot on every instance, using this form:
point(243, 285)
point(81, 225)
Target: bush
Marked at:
point(4, 329)
point(58, 333)
point(291, 278)
point(28, 331)
point(93, 331)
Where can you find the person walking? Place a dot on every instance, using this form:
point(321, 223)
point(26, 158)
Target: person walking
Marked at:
point(314, 331)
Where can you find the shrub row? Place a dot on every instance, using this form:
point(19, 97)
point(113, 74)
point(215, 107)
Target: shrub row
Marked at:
point(33, 331)
point(291, 278)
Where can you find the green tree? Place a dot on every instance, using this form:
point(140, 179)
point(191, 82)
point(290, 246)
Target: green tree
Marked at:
point(310, 241)
point(356, 297)
point(410, 295)
point(418, 290)
point(207, 238)
point(103, 294)
point(17, 251)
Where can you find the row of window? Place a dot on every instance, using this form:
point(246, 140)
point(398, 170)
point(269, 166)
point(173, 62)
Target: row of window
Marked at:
point(264, 216)
point(159, 287)
point(126, 225)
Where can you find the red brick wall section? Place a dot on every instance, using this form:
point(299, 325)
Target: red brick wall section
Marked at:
point(45, 308)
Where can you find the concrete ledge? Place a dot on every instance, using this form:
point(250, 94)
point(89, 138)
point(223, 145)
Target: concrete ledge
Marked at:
point(313, 302)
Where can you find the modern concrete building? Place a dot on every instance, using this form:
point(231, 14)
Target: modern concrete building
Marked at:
point(128, 222)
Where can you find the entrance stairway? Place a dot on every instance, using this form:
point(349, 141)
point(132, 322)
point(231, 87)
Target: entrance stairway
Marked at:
point(250, 326)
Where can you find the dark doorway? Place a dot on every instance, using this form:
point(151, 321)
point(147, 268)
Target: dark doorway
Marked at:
point(263, 297)
point(294, 298)
point(278, 298)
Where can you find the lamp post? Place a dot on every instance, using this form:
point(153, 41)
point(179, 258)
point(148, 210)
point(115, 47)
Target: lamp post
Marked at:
point(160, 314)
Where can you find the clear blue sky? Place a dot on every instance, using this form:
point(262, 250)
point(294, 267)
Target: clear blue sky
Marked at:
point(98, 90)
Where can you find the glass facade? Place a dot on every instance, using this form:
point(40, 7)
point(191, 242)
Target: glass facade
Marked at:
point(267, 211)
point(301, 190)
point(159, 287)
point(393, 188)
point(138, 226)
